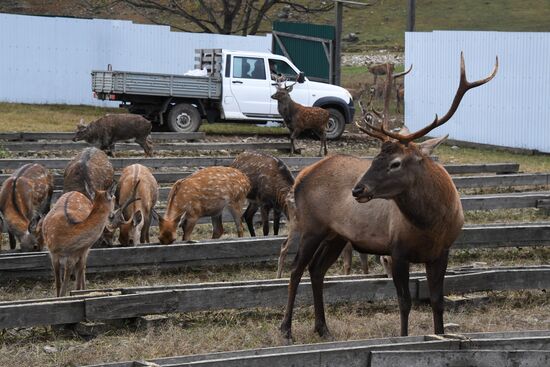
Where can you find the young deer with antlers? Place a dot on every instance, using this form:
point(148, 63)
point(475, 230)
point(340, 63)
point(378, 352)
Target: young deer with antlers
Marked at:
point(298, 118)
point(136, 181)
point(405, 205)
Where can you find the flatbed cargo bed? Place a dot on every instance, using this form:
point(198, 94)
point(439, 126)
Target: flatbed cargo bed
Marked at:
point(105, 83)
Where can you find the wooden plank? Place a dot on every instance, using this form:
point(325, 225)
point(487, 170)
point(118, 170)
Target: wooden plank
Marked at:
point(239, 251)
point(502, 168)
point(269, 356)
point(47, 146)
point(52, 312)
point(31, 136)
point(217, 298)
point(501, 201)
point(520, 179)
point(460, 358)
point(491, 281)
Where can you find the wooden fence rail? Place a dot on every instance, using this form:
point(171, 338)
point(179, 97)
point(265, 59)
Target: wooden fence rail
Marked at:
point(189, 298)
point(179, 162)
point(46, 146)
point(239, 251)
point(33, 136)
point(477, 349)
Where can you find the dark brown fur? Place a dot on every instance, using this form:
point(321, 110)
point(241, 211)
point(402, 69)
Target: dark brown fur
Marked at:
point(271, 181)
point(298, 118)
point(24, 198)
point(109, 129)
point(90, 168)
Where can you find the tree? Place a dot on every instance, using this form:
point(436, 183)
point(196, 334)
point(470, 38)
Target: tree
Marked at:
point(210, 16)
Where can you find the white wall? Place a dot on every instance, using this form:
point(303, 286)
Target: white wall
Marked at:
point(49, 59)
point(511, 110)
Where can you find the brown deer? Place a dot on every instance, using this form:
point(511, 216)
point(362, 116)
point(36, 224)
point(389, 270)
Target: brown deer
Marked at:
point(136, 181)
point(380, 69)
point(116, 127)
point(298, 118)
point(401, 204)
point(90, 170)
point(204, 194)
point(25, 197)
point(70, 229)
point(270, 181)
point(399, 96)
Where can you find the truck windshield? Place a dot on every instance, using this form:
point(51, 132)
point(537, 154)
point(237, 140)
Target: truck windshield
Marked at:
point(279, 68)
point(248, 68)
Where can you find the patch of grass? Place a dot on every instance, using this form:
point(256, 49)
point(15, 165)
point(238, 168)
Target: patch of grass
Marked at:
point(33, 117)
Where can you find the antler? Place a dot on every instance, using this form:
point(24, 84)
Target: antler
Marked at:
point(369, 129)
point(463, 87)
point(131, 199)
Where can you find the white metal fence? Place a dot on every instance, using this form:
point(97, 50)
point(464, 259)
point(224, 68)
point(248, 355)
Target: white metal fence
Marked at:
point(512, 110)
point(49, 59)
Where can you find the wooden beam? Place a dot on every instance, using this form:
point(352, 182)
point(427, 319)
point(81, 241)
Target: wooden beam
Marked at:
point(240, 251)
point(46, 146)
point(32, 136)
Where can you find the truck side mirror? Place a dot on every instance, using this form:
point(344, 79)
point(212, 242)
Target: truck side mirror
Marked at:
point(301, 78)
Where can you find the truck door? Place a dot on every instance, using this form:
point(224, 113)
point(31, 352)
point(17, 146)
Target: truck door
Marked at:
point(250, 86)
point(300, 91)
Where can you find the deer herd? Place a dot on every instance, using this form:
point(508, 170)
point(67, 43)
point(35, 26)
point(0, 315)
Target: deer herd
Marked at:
point(401, 205)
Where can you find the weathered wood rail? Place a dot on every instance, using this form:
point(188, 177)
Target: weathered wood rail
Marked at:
point(46, 146)
point(474, 349)
point(179, 162)
point(269, 293)
point(171, 177)
point(33, 136)
point(239, 251)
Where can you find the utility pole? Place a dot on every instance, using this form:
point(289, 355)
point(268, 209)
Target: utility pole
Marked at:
point(411, 9)
point(338, 37)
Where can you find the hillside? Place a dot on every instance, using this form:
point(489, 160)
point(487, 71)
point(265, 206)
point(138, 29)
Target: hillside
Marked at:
point(378, 26)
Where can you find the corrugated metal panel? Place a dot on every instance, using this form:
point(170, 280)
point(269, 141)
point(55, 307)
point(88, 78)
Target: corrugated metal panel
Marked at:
point(308, 56)
point(49, 59)
point(512, 110)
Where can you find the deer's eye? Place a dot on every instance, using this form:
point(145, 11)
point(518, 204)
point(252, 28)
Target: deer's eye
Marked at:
point(395, 165)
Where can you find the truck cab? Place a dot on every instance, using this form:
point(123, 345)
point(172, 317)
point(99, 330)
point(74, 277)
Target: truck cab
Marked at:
point(237, 87)
point(249, 82)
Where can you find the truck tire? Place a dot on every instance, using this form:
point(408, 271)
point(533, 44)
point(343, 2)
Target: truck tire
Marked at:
point(184, 118)
point(336, 124)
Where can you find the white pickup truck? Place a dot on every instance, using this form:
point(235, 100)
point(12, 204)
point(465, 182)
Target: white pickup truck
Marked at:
point(238, 87)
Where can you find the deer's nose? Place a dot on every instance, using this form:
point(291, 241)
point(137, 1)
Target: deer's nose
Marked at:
point(358, 190)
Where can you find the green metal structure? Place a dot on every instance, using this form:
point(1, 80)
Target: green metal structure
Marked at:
point(309, 46)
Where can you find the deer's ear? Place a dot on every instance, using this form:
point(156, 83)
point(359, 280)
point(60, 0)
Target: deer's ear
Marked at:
point(289, 89)
point(112, 190)
point(428, 146)
point(34, 222)
point(81, 124)
point(89, 190)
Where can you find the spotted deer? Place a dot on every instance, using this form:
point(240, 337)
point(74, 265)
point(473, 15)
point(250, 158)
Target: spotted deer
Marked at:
point(25, 197)
point(270, 181)
point(204, 194)
point(298, 118)
point(70, 229)
point(136, 181)
point(401, 204)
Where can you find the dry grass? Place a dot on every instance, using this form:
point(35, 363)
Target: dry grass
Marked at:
point(233, 330)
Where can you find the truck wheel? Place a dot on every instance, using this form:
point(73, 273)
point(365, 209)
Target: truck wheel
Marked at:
point(336, 124)
point(184, 118)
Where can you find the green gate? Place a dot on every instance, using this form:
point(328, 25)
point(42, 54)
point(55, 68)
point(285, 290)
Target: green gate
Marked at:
point(309, 46)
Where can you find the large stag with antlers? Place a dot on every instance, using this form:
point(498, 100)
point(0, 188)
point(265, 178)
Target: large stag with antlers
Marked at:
point(298, 118)
point(405, 205)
